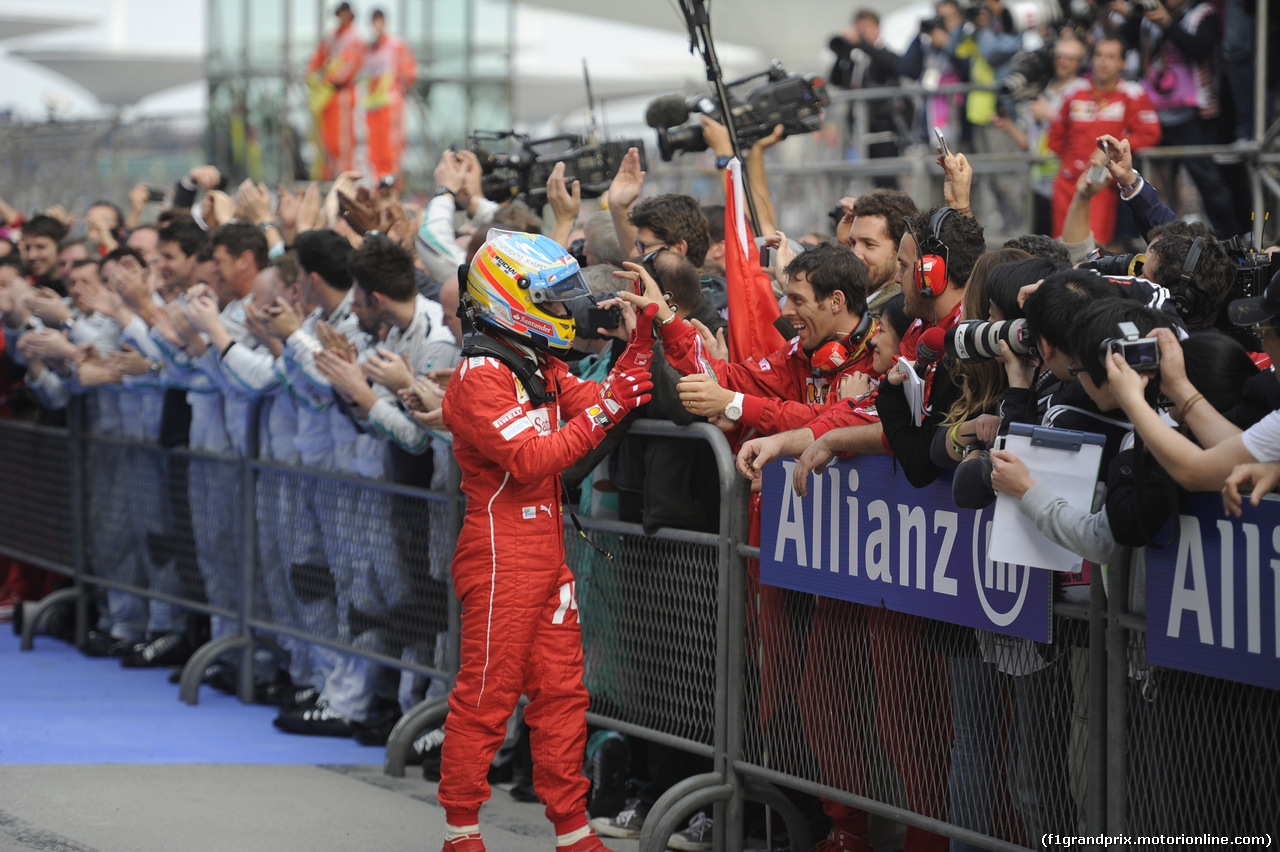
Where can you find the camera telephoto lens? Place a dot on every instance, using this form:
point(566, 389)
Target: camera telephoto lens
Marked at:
point(976, 340)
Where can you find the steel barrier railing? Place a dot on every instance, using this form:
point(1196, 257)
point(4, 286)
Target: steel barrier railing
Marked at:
point(875, 713)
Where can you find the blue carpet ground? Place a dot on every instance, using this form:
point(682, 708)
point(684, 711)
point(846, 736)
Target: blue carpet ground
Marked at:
point(58, 706)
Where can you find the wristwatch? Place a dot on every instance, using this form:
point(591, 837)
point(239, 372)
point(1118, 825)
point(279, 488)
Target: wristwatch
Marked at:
point(1127, 192)
point(444, 190)
point(722, 162)
point(734, 409)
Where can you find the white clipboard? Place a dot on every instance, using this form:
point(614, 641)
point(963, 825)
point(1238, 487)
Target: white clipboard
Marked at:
point(913, 387)
point(1066, 461)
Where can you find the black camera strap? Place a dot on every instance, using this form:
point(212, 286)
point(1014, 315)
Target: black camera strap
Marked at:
point(482, 345)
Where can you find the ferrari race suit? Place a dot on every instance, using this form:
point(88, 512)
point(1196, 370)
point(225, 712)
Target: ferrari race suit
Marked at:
point(520, 629)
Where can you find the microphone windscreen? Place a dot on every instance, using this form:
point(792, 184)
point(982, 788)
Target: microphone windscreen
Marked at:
point(666, 111)
point(931, 344)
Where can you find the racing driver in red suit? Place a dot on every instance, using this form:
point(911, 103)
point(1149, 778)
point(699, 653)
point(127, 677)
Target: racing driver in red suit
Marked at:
point(520, 632)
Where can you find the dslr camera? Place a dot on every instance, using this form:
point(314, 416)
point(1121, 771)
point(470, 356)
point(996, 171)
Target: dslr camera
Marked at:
point(791, 100)
point(523, 173)
point(1115, 264)
point(1140, 353)
point(977, 340)
point(1032, 69)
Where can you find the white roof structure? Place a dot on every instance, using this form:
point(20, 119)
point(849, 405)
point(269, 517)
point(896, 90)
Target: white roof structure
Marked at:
point(118, 77)
point(20, 22)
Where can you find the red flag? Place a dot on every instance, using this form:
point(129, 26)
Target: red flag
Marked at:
point(752, 305)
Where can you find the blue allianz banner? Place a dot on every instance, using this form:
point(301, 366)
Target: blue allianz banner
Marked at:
point(1213, 596)
point(864, 534)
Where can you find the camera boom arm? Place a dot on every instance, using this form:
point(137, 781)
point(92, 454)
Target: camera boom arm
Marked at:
point(698, 22)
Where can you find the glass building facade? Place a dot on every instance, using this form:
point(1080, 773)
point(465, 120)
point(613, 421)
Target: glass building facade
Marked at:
point(259, 125)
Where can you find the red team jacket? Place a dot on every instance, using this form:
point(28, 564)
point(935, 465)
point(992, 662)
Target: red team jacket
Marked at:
point(772, 386)
point(1087, 113)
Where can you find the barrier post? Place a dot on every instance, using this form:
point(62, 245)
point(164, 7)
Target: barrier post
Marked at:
point(737, 631)
point(79, 515)
point(1096, 756)
point(1117, 747)
point(248, 565)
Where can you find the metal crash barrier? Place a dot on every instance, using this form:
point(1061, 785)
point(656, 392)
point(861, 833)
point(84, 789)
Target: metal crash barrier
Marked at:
point(867, 653)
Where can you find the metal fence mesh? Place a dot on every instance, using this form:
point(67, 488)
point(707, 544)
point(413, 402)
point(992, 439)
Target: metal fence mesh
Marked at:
point(977, 730)
point(649, 629)
point(35, 508)
point(983, 732)
point(1203, 755)
point(353, 564)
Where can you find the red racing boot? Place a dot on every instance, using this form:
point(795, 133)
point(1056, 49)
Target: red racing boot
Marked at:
point(590, 843)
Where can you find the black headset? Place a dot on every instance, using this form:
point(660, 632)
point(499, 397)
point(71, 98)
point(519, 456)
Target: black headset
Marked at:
point(1186, 297)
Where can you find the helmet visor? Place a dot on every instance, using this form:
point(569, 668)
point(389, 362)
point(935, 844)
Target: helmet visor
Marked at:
point(569, 287)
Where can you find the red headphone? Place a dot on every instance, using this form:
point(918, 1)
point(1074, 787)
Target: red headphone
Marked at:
point(931, 268)
point(831, 356)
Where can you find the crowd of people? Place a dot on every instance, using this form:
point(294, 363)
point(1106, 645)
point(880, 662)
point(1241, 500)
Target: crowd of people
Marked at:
point(357, 335)
point(1169, 73)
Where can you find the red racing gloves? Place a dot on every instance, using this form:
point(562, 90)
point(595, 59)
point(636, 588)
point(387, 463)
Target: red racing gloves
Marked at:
point(639, 351)
point(620, 393)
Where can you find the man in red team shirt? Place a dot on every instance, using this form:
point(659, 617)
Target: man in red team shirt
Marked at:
point(826, 304)
point(1106, 105)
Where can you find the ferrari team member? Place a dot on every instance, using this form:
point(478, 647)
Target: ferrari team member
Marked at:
point(1107, 104)
point(827, 305)
point(331, 78)
point(390, 71)
point(505, 407)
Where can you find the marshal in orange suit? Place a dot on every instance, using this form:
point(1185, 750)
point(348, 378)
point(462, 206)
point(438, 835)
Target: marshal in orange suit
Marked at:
point(331, 78)
point(390, 71)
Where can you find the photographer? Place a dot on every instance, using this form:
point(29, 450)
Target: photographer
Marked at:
point(863, 62)
point(1178, 41)
point(1223, 445)
point(988, 44)
point(1200, 284)
point(929, 61)
point(1134, 511)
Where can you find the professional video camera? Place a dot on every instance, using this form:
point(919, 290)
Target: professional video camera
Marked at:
point(523, 173)
point(791, 100)
point(978, 340)
point(1254, 269)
